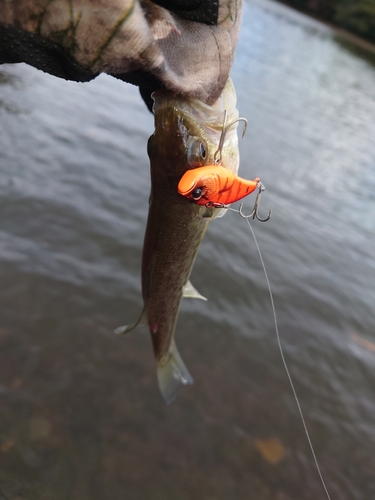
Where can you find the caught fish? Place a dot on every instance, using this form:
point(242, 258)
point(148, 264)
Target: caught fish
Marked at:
point(187, 135)
point(215, 184)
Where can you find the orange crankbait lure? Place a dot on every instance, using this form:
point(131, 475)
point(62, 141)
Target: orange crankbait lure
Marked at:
point(215, 185)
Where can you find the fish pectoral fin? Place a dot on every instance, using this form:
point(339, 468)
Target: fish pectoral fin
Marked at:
point(172, 374)
point(221, 213)
point(190, 292)
point(142, 320)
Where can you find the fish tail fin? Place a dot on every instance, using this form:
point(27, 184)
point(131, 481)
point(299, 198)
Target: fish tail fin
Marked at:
point(172, 374)
point(142, 320)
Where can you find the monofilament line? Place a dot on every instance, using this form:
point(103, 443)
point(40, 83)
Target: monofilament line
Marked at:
point(284, 362)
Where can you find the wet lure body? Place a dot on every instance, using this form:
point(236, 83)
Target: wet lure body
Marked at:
point(186, 136)
point(215, 184)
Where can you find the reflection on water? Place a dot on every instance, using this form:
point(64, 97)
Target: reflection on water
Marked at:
point(80, 413)
point(12, 80)
point(7, 79)
point(357, 50)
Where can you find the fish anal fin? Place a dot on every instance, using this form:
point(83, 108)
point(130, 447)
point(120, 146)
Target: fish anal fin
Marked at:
point(172, 374)
point(190, 292)
point(142, 320)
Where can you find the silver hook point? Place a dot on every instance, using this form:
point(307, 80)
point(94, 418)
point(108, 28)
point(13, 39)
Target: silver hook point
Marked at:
point(219, 152)
point(255, 212)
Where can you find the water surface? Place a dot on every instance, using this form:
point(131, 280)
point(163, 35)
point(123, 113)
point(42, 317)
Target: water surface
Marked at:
point(80, 413)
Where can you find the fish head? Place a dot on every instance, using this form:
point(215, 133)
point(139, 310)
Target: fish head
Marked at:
point(187, 136)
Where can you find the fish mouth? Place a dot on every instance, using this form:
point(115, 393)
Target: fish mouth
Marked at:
point(204, 123)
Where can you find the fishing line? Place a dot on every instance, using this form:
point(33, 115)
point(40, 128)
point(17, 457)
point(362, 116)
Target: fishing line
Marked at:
point(284, 361)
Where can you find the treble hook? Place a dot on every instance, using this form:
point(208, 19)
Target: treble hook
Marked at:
point(254, 213)
point(218, 152)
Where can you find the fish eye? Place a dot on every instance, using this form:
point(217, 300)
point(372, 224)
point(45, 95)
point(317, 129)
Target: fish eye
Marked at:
point(196, 153)
point(197, 193)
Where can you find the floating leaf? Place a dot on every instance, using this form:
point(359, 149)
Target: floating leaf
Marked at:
point(40, 428)
point(7, 445)
point(271, 449)
point(370, 346)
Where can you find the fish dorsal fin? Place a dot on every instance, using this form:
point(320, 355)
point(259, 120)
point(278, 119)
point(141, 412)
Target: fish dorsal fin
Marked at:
point(172, 374)
point(190, 292)
point(142, 320)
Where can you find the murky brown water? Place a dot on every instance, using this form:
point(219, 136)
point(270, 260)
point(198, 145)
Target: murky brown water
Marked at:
point(80, 412)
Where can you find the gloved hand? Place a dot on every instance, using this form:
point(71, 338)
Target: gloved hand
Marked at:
point(186, 46)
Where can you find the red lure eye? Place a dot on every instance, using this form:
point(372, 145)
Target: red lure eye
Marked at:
point(197, 193)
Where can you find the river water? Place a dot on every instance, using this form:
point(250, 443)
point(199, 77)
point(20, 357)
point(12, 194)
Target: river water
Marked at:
point(81, 416)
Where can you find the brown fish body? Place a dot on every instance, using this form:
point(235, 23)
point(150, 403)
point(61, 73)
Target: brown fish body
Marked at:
point(175, 227)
